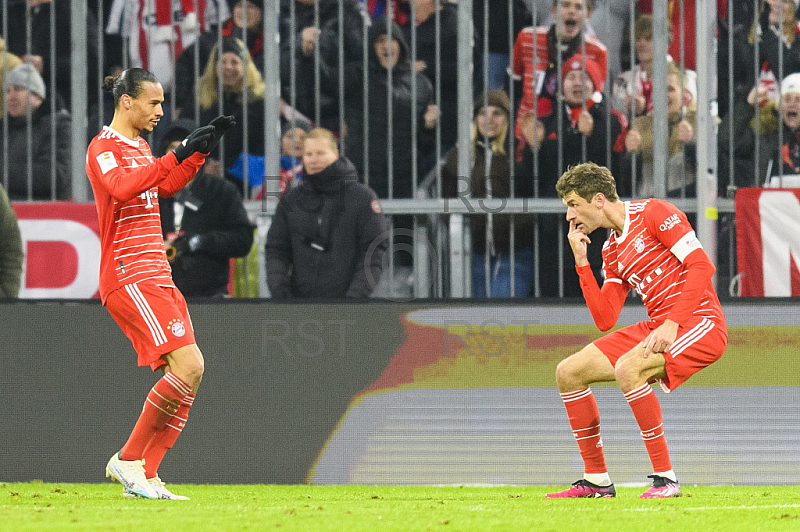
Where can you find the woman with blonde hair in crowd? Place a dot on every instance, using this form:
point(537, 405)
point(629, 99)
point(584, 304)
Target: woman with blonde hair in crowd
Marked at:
point(8, 62)
point(242, 96)
point(491, 162)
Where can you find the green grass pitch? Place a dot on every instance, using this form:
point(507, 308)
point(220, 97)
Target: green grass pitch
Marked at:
point(38, 506)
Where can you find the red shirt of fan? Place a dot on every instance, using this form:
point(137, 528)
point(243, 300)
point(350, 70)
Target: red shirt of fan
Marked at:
point(648, 257)
point(531, 60)
point(127, 181)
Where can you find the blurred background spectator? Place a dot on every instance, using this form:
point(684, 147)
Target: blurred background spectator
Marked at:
point(204, 226)
point(244, 99)
point(682, 26)
point(327, 238)
point(31, 163)
point(499, 59)
point(681, 147)
point(248, 19)
point(775, 160)
point(300, 91)
point(389, 52)
point(581, 129)
point(11, 253)
point(38, 13)
point(635, 86)
point(492, 159)
point(445, 72)
point(292, 142)
point(7, 63)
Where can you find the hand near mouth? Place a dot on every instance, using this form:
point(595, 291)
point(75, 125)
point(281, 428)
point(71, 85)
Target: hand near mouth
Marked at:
point(578, 241)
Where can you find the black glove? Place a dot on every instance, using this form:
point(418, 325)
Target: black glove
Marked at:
point(182, 245)
point(221, 124)
point(178, 247)
point(196, 140)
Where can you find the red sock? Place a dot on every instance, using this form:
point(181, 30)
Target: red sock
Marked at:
point(647, 411)
point(162, 403)
point(584, 418)
point(163, 440)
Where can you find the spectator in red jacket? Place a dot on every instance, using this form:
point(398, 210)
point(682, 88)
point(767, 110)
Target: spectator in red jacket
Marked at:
point(540, 80)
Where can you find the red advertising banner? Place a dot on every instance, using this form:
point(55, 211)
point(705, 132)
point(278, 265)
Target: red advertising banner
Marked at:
point(61, 241)
point(768, 241)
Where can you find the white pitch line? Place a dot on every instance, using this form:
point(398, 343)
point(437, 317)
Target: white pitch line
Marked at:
point(705, 508)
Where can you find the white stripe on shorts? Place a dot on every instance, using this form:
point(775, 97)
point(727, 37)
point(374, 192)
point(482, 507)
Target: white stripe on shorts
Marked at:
point(147, 314)
point(699, 330)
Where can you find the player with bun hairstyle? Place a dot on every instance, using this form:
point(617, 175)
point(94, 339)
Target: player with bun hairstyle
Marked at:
point(135, 278)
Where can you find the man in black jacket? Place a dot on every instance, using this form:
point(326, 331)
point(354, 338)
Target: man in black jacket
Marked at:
point(26, 93)
point(328, 236)
point(425, 62)
point(303, 37)
point(205, 225)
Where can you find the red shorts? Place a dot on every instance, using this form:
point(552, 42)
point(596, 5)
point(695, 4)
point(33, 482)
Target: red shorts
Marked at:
point(153, 317)
point(699, 343)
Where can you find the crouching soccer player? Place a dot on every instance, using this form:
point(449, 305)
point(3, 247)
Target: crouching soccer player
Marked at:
point(652, 249)
point(135, 278)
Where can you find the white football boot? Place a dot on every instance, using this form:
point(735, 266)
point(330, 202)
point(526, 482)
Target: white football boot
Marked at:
point(159, 487)
point(130, 473)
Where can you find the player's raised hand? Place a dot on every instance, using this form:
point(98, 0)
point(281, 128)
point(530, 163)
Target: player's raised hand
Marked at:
point(221, 124)
point(196, 141)
point(585, 122)
point(578, 241)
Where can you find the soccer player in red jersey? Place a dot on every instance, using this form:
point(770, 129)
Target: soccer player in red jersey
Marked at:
point(135, 278)
point(652, 249)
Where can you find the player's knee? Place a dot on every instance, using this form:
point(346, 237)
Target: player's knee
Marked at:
point(565, 372)
point(191, 369)
point(197, 368)
point(625, 374)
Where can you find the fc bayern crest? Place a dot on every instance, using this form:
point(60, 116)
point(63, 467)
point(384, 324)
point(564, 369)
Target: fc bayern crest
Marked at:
point(177, 328)
point(638, 244)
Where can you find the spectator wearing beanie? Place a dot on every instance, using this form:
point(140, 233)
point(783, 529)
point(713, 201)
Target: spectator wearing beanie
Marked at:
point(29, 169)
point(775, 161)
point(292, 140)
point(580, 121)
point(583, 115)
point(490, 176)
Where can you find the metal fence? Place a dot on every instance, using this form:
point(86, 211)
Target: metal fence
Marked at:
point(454, 52)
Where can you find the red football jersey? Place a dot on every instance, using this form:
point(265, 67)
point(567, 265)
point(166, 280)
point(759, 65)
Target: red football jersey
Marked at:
point(533, 73)
point(127, 180)
point(648, 257)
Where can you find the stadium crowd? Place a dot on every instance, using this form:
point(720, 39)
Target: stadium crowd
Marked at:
point(557, 84)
